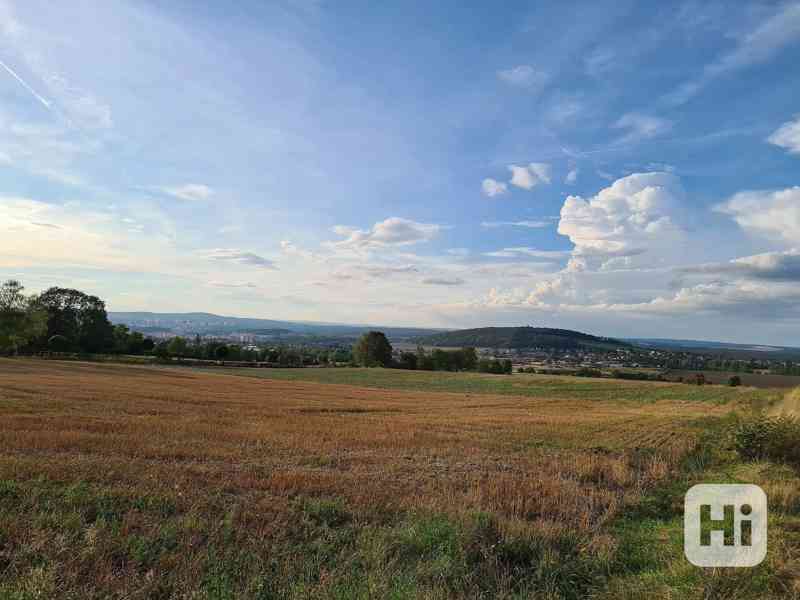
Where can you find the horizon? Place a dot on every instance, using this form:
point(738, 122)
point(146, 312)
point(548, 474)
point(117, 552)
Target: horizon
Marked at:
point(610, 168)
point(383, 325)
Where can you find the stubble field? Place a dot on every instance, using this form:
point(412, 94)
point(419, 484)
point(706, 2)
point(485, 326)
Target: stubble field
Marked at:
point(139, 482)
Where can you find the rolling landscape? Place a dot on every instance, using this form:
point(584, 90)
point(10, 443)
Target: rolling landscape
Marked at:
point(454, 300)
point(124, 481)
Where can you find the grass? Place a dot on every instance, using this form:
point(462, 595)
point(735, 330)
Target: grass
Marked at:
point(130, 482)
point(552, 386)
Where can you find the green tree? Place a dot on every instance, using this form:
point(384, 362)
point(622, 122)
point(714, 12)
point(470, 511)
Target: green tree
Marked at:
point(470, 358)
point(408, 360)
point(372, 350)
point(177, 346)
point(58, 343)
point(21, 321)
point(80, 318)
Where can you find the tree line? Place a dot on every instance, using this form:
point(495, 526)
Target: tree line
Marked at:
point(374, 350)
point(70, 321)
point(60, 320)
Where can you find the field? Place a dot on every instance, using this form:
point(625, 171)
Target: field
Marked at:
point(749, 379)
point(141, 482)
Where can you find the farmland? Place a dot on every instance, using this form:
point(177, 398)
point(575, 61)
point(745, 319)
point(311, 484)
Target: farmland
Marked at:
point(759, 380)
point(142, 482)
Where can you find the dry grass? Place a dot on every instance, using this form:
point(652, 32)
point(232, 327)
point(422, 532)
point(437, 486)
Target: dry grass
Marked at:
point(124, 481)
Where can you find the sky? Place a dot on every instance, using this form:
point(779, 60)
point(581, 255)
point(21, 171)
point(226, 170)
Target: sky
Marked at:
point(623, 168)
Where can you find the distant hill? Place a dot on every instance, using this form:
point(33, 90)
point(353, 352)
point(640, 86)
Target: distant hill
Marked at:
point(520, 337)
point(729, 349)
point(186, 324)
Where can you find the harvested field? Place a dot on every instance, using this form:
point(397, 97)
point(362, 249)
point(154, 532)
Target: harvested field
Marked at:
point(140, 482)
point(756, 380)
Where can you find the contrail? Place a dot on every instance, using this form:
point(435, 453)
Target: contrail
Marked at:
point(25, 85)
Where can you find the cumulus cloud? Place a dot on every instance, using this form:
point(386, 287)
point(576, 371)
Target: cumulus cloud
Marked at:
point(625, 219)
point(240, 257)
point(492, 187)
point(787, 136)
point(394, 231)
point(736, 298)
point(528, 177)
point(523, 76)
point(641, 127)
point(289, 248)
point(193, 192)
point(774, 214)
point(446, 281)
point(769, 266)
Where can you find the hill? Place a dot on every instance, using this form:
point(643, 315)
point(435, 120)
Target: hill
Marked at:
point(521, 337)
point(211, 324)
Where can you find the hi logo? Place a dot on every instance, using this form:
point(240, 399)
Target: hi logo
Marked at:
point(725, 525)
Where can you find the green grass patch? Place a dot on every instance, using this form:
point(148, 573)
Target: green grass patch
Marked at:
point(574, 388)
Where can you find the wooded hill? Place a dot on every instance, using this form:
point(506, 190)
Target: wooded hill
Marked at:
point(521, 337)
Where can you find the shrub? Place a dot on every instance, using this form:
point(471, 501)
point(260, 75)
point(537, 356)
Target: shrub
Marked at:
point(772, 438)
point(735, 381)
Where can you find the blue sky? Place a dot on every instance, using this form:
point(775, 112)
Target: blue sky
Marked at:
point(624, 168)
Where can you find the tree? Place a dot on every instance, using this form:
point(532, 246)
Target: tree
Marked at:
point(424, 360)
point(20, 320)
point(408, 360)
point(470, 358)
point(373, 349)
point(80, 318)
point(177, 346)
point(58, 343)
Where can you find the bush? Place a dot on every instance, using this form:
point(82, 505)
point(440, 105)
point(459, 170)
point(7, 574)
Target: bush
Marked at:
point(771, 438)
point(735, 381)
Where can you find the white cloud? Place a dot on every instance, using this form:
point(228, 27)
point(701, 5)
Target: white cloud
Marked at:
point(289, 248)
point(240, 257)
point(492, 187)
point(737, 298)
point(520, 251)
point(768, 213)
point(571, 177)
point(770, 266)
point(530, 176)
point(787, 136)
point(36, 233)
point(641, 127)
point(634, 214)
point(528, 224)
point(192, 192)
point(523, 76)
point(394, 231)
